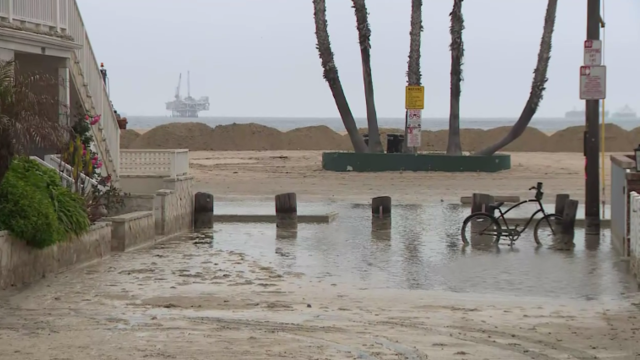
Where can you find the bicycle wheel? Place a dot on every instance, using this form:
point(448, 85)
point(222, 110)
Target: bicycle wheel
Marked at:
point(546, 229)
point(481, 228)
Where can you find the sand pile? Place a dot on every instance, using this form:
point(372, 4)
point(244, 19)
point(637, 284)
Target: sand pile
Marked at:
point(192, 136)
point(315, 138)
point(634, 136)
point(571, 139)
point(127, 137)
point(241, 137)
point(531, 140)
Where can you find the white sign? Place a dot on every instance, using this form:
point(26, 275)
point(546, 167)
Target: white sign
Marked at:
point(593, 82)
point(593, 52)
point(415, 118)
point(414, 138)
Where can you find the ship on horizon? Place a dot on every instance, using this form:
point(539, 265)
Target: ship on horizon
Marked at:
point(626, 113)
point(580, 114)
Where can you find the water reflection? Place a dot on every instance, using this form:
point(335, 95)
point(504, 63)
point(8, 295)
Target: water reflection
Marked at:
point(422, 250)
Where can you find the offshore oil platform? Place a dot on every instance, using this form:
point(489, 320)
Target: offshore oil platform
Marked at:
point(188, 107)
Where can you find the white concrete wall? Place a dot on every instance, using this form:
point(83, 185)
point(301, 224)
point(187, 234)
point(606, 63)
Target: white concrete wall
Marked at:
point(21, 264)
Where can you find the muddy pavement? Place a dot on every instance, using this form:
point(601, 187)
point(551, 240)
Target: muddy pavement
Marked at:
point(185, 299)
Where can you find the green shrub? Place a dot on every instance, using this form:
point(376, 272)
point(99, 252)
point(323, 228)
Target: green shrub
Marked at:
point(35, 207)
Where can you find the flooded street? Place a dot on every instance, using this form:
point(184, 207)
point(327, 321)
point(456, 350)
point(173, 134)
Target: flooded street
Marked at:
point(335, 291)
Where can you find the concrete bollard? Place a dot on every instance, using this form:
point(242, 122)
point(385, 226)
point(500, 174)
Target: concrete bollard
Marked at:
point(287, 211)
point(203, 210)
point(381, 213)
point(481, 202)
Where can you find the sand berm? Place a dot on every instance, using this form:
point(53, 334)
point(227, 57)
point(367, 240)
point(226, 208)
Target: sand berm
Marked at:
point(251, 137)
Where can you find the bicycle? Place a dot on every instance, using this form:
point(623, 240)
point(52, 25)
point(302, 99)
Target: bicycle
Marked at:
point(492, 227)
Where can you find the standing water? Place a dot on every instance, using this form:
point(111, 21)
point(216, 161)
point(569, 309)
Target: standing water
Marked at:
point(423, 251)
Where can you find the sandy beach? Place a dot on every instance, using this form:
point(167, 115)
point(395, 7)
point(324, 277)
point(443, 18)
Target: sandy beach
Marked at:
point(262, 174)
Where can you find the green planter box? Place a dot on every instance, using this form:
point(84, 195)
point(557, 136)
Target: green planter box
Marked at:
point(348, 161)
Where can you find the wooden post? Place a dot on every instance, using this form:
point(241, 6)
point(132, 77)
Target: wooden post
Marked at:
point(481, 202)
point(286, 234)
point(569, 217)
point(561, 199)
point(381, 213)
point(203, 210)
point(287, 211)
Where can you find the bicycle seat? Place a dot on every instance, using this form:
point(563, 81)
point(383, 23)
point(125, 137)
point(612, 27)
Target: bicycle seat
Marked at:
point(496, 206)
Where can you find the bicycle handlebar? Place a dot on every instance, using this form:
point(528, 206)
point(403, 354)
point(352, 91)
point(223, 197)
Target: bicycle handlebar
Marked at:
point(537, 187)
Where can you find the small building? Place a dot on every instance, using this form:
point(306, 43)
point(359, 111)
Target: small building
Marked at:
point(625, 209)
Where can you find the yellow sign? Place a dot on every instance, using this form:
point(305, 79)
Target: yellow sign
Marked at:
point(414, 98)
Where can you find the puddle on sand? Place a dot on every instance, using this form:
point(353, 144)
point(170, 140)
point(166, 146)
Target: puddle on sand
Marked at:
point(422, 251)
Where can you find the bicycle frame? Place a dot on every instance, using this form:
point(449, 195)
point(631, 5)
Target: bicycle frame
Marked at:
point(540, 210)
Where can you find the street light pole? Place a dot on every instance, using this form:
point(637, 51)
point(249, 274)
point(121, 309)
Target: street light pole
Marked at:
point(592, 143)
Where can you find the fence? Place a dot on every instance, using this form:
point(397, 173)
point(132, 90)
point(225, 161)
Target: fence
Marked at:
point(169, 163)
point(53, 13)
point(634, 234)
point(96, 87)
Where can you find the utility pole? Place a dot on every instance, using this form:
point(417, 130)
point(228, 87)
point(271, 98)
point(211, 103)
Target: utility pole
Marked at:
point(592, 143)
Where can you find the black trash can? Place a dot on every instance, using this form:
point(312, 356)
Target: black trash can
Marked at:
point(365, 137)
point(394, 143)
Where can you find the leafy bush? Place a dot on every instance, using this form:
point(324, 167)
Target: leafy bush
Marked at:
point(36, 208)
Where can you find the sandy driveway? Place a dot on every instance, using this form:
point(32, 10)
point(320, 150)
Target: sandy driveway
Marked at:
point(184, 300)
point(270, 172)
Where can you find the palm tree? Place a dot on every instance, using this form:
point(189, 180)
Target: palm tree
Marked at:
point(457, 55)
point(28, 118)
point(331, 75)
point(364, 37)
point(414, 76)
point(537, 86)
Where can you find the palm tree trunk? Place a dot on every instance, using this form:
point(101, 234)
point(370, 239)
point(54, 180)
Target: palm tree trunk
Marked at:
point(537, 86)
point(457, 55)
point(331, 75)
point(364, 38)
point(414, 76)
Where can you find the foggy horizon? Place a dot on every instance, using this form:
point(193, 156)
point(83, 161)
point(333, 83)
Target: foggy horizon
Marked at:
point(258, 60)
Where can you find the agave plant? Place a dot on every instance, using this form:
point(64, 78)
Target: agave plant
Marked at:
point(29, 118)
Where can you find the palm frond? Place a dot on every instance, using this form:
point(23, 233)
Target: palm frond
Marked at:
point(29, 113)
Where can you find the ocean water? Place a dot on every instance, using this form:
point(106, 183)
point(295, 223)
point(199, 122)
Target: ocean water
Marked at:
point(285, 124)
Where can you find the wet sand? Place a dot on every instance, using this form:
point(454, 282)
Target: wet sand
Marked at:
point(190, 299)
point(266, 173)
point(184, 300)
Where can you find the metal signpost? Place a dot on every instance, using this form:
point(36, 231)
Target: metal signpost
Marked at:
point(593, 52)
point(592, 90)
point(414, 128)
point(593, 82)
point(414, 104)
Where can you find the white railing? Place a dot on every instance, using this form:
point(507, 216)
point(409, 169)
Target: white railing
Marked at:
point(97, 90)
point(64, 168)
point(169, 163)
point(52, 13)
point(67, 181)
point(634, 234)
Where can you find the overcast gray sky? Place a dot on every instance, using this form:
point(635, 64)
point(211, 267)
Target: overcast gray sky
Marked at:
point(258, 57)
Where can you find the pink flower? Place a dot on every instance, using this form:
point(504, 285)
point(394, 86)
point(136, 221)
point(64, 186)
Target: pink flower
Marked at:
point(86, 117)
point(99, 165)
point(94, 160)
point(95, 120)
point(84, 152)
